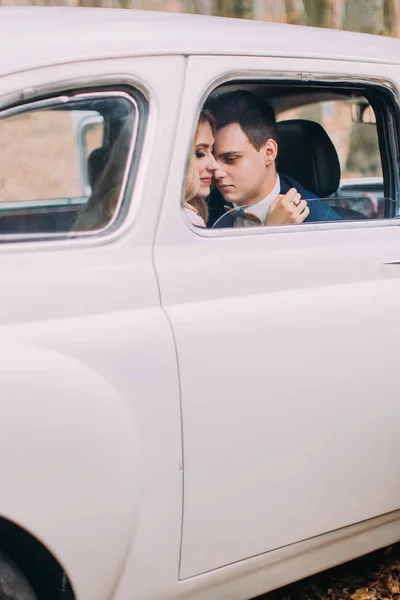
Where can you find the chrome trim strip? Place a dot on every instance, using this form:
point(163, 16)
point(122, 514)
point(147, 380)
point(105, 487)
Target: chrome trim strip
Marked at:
point(292, 228)
point(40, 104)
point(66, 85)
point(296, 77)
point(18, 205)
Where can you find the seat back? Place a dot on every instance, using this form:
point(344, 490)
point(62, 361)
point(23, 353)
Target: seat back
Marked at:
point(306, 153)
point(96, 162)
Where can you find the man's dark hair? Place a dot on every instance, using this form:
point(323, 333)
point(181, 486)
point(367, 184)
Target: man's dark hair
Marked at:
point(255, 117)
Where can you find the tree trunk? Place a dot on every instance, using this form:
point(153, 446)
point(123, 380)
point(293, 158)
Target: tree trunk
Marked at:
point(315, 12)
point(202, 7)
point(258, 10)
point(275, 11)
point(223, 8)
point(391, 17)
point(358, 18)
point(325, 13)
point(335, 14)
point(295, 12)
point(233, 8)
point(363, 137)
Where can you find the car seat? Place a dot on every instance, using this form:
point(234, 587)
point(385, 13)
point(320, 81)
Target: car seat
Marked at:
point(307, 154)
point(96, 162)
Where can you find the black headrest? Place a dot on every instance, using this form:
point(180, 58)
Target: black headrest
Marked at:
point(307, 154)
point(96, 163)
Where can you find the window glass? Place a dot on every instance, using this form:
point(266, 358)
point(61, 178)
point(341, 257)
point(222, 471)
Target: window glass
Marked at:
point(256, 142)
point(356, 143)
point(64, 165)
point(351, 125)
point(40, 157)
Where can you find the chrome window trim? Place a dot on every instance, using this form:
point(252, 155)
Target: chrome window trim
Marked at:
point(25, 99)
point(36, 105)
point(71, 84)
point(84, 171)
point(291, 76)
point(292, 228)
point(20, 205)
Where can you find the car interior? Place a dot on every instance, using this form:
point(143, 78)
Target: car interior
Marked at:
point(352, 167)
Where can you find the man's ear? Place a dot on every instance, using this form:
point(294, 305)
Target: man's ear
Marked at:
point(270, 151)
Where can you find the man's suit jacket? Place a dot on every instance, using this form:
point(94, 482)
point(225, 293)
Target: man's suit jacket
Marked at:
point(319, 210)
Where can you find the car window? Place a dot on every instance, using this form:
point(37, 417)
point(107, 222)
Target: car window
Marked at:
point(330, 142)
point(43, 156)
point(65, 162)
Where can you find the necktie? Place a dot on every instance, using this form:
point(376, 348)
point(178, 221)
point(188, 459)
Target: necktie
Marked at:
point(240, 212)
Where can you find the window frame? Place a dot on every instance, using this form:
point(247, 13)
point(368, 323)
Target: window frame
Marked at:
point(57, 95)
point(387, 131)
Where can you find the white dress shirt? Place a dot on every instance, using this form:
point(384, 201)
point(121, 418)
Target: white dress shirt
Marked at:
point(261, 209)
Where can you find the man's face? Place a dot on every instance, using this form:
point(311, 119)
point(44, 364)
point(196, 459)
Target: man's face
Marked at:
point(243, 176)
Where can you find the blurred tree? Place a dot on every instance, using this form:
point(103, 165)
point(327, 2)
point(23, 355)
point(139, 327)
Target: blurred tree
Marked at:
point(90, 3)
point(325, 13)
point(273, 10)
point(258, 9)
point(336, 13)
point(357, 18)
point(391, 16)
point(202, 7)
point(233, 8)
point(295, 12)
point(197, 7)
point(362, 156)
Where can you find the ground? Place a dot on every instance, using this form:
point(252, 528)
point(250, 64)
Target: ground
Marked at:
point(372, 577)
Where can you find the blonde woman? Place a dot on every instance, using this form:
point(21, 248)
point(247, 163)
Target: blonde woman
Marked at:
point(202, 166)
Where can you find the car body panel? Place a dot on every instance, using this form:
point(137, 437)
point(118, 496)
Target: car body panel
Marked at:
point(89, 444)
point(70, 509)
point(276, 427)
point(105, 33)
point(83, 314)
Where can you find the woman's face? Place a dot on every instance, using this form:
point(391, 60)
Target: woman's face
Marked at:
point(205, 161)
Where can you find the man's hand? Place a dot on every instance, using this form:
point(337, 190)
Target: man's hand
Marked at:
point(289, 208)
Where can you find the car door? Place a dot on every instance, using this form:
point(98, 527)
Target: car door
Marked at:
point(286, 342)
point(82, 330)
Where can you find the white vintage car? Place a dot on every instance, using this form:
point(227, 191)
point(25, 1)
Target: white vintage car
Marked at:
point(191, 413)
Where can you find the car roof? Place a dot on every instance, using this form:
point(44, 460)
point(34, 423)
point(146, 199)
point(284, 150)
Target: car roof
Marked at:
point(36, 36)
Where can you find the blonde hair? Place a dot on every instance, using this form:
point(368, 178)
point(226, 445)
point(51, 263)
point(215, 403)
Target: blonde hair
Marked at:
point(192, 181)
point(199, 205)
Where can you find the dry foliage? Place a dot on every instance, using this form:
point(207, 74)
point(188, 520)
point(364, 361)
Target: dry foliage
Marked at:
point(372, 577)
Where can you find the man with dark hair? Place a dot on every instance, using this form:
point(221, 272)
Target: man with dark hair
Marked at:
point(246, 149)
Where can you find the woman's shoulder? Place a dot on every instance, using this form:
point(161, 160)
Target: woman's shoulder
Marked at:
point(194, 218)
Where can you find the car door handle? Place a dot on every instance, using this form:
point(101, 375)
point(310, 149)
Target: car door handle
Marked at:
point(392, 262)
